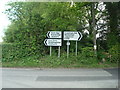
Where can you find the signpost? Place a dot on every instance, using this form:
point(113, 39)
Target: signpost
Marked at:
point(68, 44)
point(73, 36)
point(59, 51)
point(76, 49)
point(50, 50)
point(54, 39)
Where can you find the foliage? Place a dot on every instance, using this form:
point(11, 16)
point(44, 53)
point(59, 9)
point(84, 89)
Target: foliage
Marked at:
point(16, 52)
point(55, 62)
point(63, 61)
point(113, 20)
point(15, 55)
point(103, 56)
point(30, 21)
point(88, 52)
point(114, 53)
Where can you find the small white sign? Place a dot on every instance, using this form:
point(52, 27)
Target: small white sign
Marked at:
point(68, 43)
point(54, 34)
point(53, 42)
point(72, 35)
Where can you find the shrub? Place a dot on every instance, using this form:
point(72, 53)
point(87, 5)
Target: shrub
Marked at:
point(13, 52)
point(88, 52)
point(114, 53)
point(102, 55)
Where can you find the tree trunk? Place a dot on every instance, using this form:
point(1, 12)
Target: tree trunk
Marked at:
point(94, 31)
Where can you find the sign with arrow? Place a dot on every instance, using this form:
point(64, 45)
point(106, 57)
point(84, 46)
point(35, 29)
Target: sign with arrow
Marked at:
point(72, 35)
point(53, 42)
point(54, 34)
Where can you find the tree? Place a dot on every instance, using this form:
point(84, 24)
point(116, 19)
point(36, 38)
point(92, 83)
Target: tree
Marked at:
point(113, 14)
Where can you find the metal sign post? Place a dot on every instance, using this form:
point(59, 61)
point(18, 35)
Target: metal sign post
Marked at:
point(68, 44)
point(76, 49)
point(58, 51)
point(50, 50)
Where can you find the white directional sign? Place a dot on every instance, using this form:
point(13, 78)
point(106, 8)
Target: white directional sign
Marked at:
point(53, 42)
point(72, 35)
point(54, 34)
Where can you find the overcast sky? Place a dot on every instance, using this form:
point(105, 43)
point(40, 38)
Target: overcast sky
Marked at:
point(4, 22)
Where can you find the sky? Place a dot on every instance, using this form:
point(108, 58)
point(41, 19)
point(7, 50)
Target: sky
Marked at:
point(4, 21)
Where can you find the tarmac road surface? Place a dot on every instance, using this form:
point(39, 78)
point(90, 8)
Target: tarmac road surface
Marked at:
point(59, 78)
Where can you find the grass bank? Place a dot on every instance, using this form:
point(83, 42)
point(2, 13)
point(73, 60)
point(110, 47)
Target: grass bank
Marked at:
point(16, 55)
point(62, 62)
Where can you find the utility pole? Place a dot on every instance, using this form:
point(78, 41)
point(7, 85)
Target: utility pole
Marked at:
point(93, 27)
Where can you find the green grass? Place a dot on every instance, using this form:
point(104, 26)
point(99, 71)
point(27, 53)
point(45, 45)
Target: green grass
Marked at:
point(38, 65)
point(62, 62)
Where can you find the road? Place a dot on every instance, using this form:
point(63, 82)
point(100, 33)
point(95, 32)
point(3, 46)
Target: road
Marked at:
point(59, 78)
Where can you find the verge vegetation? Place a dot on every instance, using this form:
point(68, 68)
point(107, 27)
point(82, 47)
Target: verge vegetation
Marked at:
point(23, 44)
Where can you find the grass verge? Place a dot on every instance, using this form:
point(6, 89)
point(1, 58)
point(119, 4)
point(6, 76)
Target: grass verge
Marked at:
point(62, 62)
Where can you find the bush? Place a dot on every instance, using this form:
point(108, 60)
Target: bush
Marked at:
point(114, 52)
point(63, 61)
point(13, 52)
point(88, 52)
point(102, 56)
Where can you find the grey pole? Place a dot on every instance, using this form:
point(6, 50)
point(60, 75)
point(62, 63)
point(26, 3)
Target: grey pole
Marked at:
point(94, 30)
point(68, 49)
point(76, 49)
point(58, 51)
point(50, 50)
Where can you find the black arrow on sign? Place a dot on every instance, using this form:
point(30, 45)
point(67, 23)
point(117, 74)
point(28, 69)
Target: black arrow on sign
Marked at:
point(80, 36)
point(48, 34)
point(45, 42)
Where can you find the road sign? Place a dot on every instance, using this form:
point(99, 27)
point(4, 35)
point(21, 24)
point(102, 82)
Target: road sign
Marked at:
point(72, 35)
point(53, 42)
point(68, 43)
point(54, 34)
